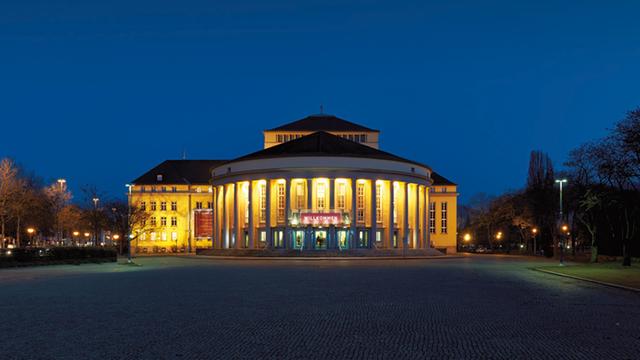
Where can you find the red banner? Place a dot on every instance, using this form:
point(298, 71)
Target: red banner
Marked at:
point(321, 218)
point(203, 221)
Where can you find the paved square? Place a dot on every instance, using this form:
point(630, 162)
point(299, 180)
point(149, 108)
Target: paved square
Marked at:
point(185, 308)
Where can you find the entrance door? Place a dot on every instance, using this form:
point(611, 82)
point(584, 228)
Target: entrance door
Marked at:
point(298, 239)
point(342, 239)
point(320, 239)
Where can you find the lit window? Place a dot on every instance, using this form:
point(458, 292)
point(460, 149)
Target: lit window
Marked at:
point(159, 177)
point(299, 196)
point(174, 236)
point(153, 206)
point(341, 195)
point(174, 189)
point(153, 236)
point(359, 203)
point(443, 219)
point(163, 206)
point(396, 189)
point(164, 236)
point(379, 213)
point(320, 196)
point(143, 236)
point(163, 221)
point(174, 221)
point(262, 189)
point(163, 189)
point(174, 206)
point(444, 189)
point(281, 202)
point(432, 217)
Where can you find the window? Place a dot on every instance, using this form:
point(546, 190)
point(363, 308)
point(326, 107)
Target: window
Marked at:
point(209, 205)
point(143, 236)
point(163, 206)
point(321, 196)
point(363, 138)
point(143, 205)
point(153, 206)
point(153, 189)
point(342, 195)
point(198, 204)
point(174, 221)
point(443, 219)
point(174, 206)
point(163, 189)
point(142, 189)
point(163, 236)
point(174, 189)
point(379, 213)
point(174, 236)
point(360, 203)
point(299, 196)
point(159, 177)
point(396, 189)
point(350, 137)
point(444, 189)
point(163, 221)
point(262, 189)
point(153, 236)
point(198, 189)
point(153, 221)
point(432, 217)
point(281, 202)
point(279, 138)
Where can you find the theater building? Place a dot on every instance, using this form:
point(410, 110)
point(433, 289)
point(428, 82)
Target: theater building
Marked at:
point(319, 183)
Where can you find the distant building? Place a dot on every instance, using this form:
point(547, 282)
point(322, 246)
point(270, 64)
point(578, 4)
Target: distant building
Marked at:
point(319, 183)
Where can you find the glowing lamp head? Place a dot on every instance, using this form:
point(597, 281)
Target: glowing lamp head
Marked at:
point(31, 231)
point(116, 237)
point(467, 237)
point(535, 230)
point(76, 233)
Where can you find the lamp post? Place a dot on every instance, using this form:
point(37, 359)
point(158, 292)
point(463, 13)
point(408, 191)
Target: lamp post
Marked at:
point(129, 233)
point(560, 182)
point(59, 205)
point(75, 237)
point(95, 219)
point(31, 231)
point(534, 231)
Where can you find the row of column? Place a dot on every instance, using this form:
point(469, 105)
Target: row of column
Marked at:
point(219, 193)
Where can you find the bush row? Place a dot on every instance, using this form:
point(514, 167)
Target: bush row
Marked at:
point(54, 254)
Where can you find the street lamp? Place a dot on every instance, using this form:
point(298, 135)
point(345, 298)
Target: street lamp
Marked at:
point(31, 231)
point(129, 233)
point(534, 231)
point(467, 237)
point(560, 182)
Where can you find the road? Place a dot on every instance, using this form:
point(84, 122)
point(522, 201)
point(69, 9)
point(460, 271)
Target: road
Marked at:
point(488, 307)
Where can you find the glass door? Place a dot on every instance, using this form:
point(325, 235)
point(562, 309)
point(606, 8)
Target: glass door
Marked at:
point(298, 239)
point(320, 239)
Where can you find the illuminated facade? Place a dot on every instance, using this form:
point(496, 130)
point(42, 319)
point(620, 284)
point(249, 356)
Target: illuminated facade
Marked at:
point(320, 183)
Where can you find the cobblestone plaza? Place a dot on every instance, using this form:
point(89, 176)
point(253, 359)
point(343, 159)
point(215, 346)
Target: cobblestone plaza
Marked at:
point(192, 308)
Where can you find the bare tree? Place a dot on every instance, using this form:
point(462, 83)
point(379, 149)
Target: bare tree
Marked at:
point(8, 188)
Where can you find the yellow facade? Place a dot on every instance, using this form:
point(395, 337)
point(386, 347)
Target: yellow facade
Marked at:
point(172, 202)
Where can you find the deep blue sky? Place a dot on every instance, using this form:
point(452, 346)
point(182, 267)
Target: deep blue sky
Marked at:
point(98, 92)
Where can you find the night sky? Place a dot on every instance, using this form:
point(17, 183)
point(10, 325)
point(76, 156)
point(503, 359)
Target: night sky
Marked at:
point(98, 92)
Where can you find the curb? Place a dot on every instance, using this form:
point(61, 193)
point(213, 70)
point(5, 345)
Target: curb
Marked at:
point(318, 258)
point(604, 283)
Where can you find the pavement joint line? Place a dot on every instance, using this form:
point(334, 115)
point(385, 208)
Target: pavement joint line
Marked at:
point(312, 258)
point(604, 283)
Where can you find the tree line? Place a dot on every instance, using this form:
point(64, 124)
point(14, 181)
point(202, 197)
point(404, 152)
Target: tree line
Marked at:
point(600, 205)
point(34, 213)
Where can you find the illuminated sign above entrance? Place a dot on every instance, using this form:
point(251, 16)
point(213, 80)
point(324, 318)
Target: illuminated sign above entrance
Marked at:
point(330, 218)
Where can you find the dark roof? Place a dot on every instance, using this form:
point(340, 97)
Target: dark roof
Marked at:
point(179, 172)
point(440, 180)
point(323, 144)
point(322, 122)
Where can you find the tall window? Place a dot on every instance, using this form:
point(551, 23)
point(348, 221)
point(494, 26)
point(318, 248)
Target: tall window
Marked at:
point(174, 221)
point(299, 196)
point(281, 202)
point(153, 206)
point(443, 219)
point(163, 205)
point(174, 189)
point(245, 192)
point(153, 221)
point(174, 206)
point(279, 138)
point(143, 206)
point(360, 203)
point(396, 189)
point(209, 205)
point(432, 217)
point(320, 196)
point(163, 221)
point(263, 203)
point(379, 213)
point(342, 195)
point(198, 204)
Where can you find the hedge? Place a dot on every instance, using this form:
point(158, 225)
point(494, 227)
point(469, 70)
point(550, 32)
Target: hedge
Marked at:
point(67, 254)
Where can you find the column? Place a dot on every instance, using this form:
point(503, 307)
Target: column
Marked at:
point(267, 225)
point(427, 231)
point(354, 235)
point(287, 211)
point(309, 241)
point(374, 214)
point(236, 228)
point(405, 217)
point(214, 215)
point(416, 221)
point(225, 225)
point(331, 237)
point(250, 205)
point(390, 213)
